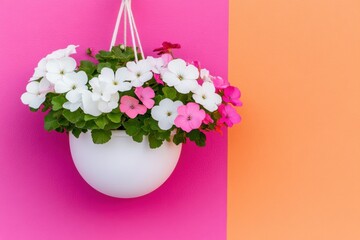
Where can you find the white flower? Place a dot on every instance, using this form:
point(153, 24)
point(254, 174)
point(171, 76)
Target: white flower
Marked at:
point(40, 70)
point(71, 49)
point(96, 108)
point(101, 99)
point(36, 93)
point(108, 106)
point(206, 96)
point(58, 68)
point(205, 75)
point(156, 64)
point(138, 73)
point(165, 113)
point(182, 77)
point(100, 90)
point(73, 85)
point(116, 81)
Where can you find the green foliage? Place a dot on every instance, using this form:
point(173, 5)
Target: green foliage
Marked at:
point(197, 136)
point(100, 136)
point(169, 92)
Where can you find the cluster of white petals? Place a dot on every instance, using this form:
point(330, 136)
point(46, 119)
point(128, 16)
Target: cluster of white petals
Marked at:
point(104, 96)
point(181, 76)
point(165, 113)
point(74, 84)
point(206, 96)
point(138, 73)
point(36, 93)
point(54, 67)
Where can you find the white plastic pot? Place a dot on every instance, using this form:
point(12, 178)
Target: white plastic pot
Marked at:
point(123, 168)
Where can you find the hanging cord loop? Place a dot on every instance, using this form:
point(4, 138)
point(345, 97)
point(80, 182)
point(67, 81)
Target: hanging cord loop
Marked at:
point(125, 9)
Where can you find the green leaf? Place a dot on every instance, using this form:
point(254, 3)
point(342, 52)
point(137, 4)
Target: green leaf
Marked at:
point(132, 127)
point(198, 137)
point(101, 121)
point(58, 102)
point(88, 117)
point(51, 122)
point(139, 137)
point(179, 137)
point(80, 124)
point(88, 67)
point(169, 93)
point(76, 132)
point(102, 65)
point(114, 117)
point(154, 141)
point(73, 117)
point(100, 136)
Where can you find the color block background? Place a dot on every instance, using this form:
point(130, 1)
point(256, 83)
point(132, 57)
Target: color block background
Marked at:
point(41, 194)
point(294, 165)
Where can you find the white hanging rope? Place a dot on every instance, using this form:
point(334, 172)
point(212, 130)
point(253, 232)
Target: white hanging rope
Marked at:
point(136, 31)
point(125, 8)
point(116, 29)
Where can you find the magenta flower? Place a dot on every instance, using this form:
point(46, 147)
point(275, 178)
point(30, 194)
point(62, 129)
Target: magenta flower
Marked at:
point(220, 83)
point(158, 79)
point(166, 58)
point(146, 96)
point(232, 95)
point(229, 116)
point(167, 48)
point(131, 107)
point(190, 117)
point(208, 119)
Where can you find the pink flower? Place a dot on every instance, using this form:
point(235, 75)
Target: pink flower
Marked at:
point(166, 58)
point(190, 117)
point(158, 79)
point(167, 47)
point(208, 119)
point(229, 116)
point(131, 107)
point(146, 96)
point(220, 83)
point(232, 95)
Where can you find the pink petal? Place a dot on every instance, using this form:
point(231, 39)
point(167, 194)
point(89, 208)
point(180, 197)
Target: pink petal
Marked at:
point(183, 123)
point(149, 103)
point(182, 110)
point(132, 113)
point(166, 58)
point(141, 109)
point(158, 79)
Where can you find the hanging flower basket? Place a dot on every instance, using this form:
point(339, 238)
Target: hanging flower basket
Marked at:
point(129, 115)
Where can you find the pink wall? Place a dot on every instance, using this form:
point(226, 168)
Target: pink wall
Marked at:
point(42, 195)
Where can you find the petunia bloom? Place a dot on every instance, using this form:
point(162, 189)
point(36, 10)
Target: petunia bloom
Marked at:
point(138, 73)
point(232, 95)
point(208, 119)
point(35, 93)
point(229, 116)
point(116, 81)
point(190, 117)
point(58, 68)
point(219, 82)
point(165, 113)
point(181, 76)
point(167, 48)
point(146, 96)
point(205, 95)
point(131, 107)
point(73, 85)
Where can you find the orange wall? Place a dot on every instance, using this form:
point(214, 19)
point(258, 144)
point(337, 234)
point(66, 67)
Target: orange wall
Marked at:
point(294, 164)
